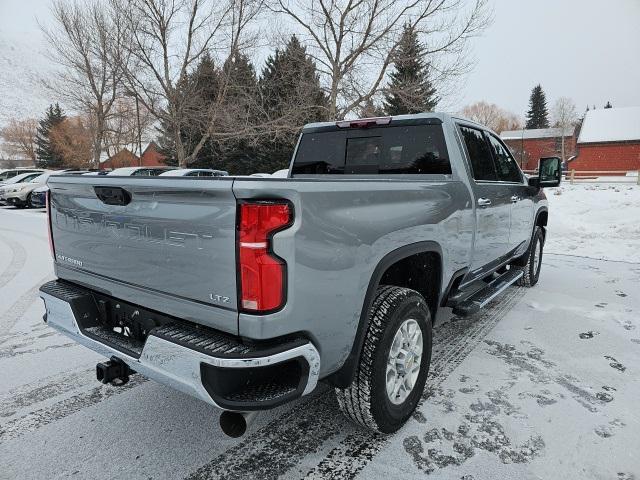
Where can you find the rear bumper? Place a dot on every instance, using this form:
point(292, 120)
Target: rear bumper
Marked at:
point(206, 364)
point(38, 200)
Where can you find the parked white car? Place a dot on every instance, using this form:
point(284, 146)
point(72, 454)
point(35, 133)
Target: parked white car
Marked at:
point(18, 194)
point(194, 172)
point(15, 183)
point(9, 173)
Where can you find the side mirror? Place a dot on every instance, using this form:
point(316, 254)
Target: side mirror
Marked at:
point(549, 173)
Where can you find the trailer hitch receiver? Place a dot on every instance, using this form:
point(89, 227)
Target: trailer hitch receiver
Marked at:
point(114, 371)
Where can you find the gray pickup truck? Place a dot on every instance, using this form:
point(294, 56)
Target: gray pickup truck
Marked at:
point(245, 292)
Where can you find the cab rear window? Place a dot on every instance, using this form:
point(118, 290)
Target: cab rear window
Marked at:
point(388, 150)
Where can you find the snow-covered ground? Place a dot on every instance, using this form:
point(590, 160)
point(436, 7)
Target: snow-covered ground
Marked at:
point(595, 220)
point(542, 384)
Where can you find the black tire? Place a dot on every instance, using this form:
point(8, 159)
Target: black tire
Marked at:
point(531, 271)
point(29, 203)
point(366, 400)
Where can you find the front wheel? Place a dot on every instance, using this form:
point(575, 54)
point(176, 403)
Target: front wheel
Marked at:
point(394, 361)
point(531, 271)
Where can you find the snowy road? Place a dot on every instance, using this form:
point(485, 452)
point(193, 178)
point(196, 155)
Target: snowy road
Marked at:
point(544, 384)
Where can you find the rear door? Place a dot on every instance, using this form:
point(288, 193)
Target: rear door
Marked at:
point(519, 192)
point(170, 238)
point(493, 203)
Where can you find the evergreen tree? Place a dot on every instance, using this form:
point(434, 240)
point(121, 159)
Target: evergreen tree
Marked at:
point(608, 105)
point(197, 92)
point(46, 152)
point(291, 96)
point(410, 89)
point(166, 144)
point(273, 109)
point(537, 116)
point(241, 109)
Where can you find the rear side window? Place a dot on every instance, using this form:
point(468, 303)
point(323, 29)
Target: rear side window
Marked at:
point(506, 166)
point(479, 154)
point(392, 150)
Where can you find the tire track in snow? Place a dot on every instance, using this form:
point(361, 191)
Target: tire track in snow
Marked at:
point(18, 259)
point(16, 311)
point(453, 342)
point(45, 389)
point(280, 445)
point(275, 449)
point(12, 352)
point(46, 415)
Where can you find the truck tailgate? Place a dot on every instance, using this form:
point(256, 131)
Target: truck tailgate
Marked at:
point(171, 236)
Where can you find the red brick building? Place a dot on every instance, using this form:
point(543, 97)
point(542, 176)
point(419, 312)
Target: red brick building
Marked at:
point(151, 157)
point(124, 158)
point(528, 146)
point(609, 140)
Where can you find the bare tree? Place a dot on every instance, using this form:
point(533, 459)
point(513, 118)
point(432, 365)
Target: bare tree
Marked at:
point(86, 42)
point(167, 41)
point(492, 116)
point(354, 41)
point(126, 125)
point(564, 116)
point(19, 138)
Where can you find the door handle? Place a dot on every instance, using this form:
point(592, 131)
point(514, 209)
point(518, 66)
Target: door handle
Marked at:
point(484, 202)
point(515, 199)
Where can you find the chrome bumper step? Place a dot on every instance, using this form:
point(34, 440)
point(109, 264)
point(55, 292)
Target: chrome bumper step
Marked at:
point(188, 357)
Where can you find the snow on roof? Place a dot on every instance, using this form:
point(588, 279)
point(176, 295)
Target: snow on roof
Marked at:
point(535, 133)
point(611, 125)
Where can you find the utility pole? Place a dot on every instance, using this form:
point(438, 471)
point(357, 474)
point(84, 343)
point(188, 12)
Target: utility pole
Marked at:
point(522, 149)
point(139, 132)
point(130, 93)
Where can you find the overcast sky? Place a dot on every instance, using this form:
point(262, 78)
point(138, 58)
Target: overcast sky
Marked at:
point(588, 50)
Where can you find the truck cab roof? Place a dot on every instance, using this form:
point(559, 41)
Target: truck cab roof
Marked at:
point(442, 117)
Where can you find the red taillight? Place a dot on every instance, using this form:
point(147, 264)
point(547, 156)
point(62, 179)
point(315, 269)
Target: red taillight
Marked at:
point(47, 198)
point(262, 273)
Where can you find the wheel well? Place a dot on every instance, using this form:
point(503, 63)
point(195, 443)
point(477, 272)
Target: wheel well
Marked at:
point(541, 221)
point(420, 272)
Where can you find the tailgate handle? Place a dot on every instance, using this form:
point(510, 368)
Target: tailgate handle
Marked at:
point(113, 195)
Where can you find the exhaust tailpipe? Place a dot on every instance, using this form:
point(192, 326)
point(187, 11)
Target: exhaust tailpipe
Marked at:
point(235, 424)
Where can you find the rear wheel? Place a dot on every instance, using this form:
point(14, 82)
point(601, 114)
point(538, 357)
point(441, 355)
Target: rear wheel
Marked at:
point(394, 361)
point(531, 271)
